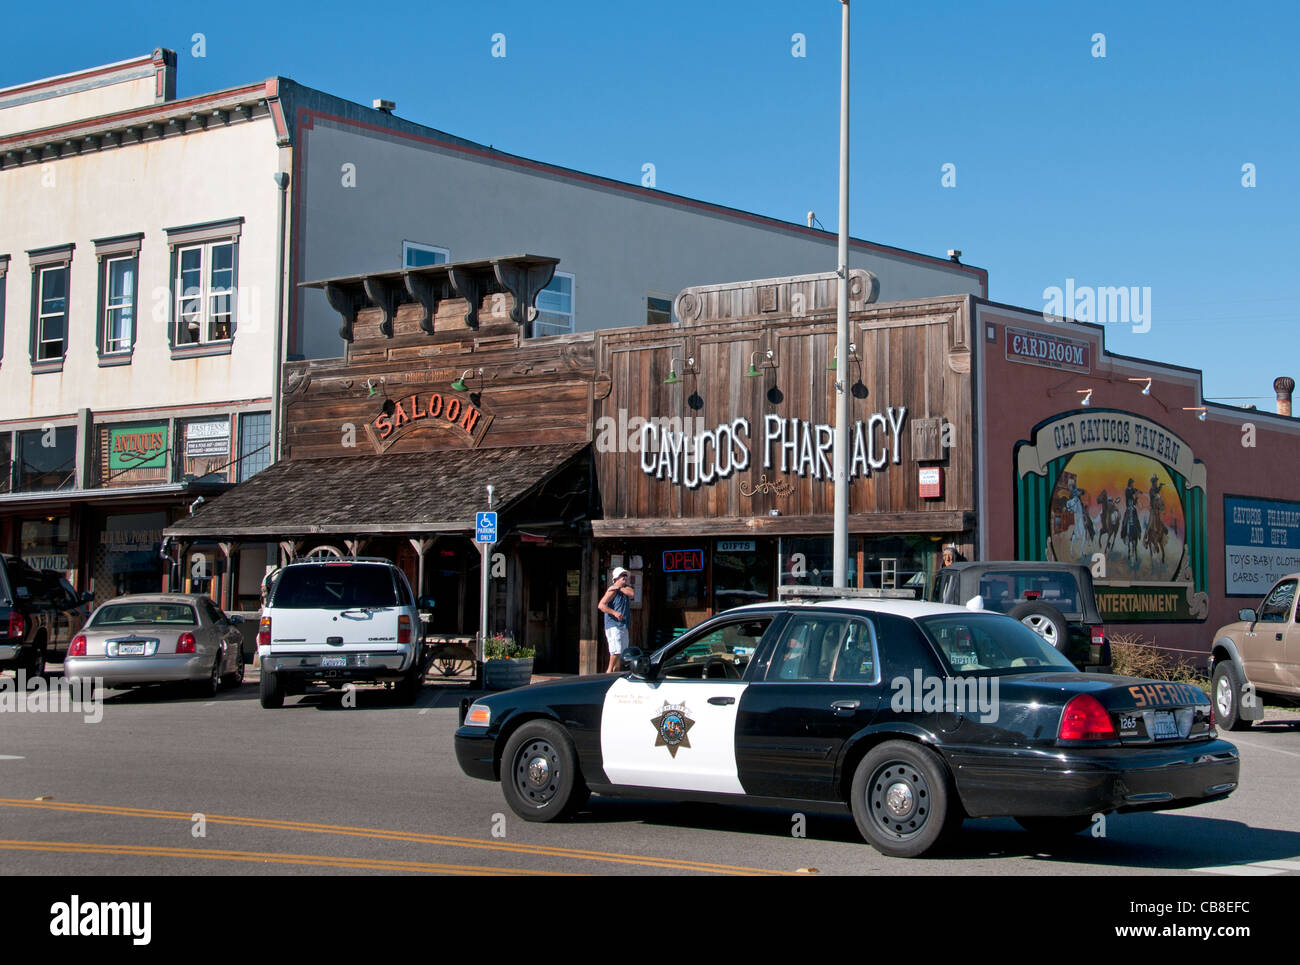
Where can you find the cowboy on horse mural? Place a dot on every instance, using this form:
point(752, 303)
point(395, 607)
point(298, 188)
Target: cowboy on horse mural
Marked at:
point(1131, 530)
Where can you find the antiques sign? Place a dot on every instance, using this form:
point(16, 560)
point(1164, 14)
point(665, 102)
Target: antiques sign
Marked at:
point(138, 447)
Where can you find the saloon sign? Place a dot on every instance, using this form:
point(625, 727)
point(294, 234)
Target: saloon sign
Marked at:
point(788, 445)
point(430, 410)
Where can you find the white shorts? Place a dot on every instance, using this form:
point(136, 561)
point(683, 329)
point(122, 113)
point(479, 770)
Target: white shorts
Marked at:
point(617, 639)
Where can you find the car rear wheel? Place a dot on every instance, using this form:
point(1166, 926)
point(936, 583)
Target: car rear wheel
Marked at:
point(236, 677)
point(212, 683)
point(36, 662)
point(1044, 620)
point(407, 690)
point(271, 690)
point(1227, 696)
point(539, 773)
point(902, 800)
point(1055, 827)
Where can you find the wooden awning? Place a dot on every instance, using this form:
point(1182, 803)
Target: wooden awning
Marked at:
point(401, 493)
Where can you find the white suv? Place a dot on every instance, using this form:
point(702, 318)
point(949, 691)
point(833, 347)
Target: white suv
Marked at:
point(350, 620)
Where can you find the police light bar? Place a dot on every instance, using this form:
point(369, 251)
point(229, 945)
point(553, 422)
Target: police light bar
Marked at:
point(798, 592)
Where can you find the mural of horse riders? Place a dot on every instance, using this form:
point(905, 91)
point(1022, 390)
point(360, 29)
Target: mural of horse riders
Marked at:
point(1108, 521)
point(1083, 530)
point(1157, 533)
point(1131, 528)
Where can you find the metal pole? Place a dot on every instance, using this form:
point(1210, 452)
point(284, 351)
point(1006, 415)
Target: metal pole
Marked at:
point(840, 544)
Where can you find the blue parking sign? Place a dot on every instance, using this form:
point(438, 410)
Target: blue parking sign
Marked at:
point(485, 527)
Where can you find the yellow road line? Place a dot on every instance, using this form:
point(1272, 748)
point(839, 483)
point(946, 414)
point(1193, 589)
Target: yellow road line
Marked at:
point(276, 824)
point(260, 857)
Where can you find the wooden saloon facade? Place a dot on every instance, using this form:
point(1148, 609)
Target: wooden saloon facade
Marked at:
point(696, 454)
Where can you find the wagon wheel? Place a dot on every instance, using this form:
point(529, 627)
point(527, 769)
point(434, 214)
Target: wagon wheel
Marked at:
point(452, 666)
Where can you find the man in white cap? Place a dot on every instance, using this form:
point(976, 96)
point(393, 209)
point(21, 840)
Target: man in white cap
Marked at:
point(616, 607)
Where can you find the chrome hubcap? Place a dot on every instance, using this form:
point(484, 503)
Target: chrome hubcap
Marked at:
point(899, 799)
point(1223, 696)
point(539, 771)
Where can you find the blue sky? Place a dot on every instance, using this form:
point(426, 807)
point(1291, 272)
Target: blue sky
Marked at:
point(1123, 170)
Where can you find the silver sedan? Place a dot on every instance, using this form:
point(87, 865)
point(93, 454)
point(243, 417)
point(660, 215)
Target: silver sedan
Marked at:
point(158, 638)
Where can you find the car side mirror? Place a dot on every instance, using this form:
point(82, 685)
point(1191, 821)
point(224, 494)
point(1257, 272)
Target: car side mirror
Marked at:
point(1246, 615)
point(87, 596)
point(23, 592)
point(638, 662)
point(426, 603)
point(235, 619)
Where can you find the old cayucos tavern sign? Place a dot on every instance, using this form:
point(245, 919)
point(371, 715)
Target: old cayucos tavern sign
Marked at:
point(788, 445)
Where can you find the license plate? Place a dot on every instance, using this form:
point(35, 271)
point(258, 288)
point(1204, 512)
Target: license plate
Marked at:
point(130, 649)
point(1165, 724)
point(333, 661)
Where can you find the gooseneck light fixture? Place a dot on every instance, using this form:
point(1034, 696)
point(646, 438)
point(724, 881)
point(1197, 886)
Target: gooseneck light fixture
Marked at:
point(1146, 389)
point(459, 384)
point(754, 372)
point(1087, 396)
point(834, 357)
point(673, 377)
point(1198, 409)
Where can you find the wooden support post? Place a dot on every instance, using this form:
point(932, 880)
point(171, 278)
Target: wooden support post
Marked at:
point(589, 633)
point(421, 545)
point(230, 551)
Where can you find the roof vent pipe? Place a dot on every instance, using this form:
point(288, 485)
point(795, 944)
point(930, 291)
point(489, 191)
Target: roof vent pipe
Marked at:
point(1284, 385)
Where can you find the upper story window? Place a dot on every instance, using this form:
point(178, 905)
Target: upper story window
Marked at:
point(4, 271)
point(416, 255)
point(119, 288)
point(658, 309)
point(205, 285)
point(555, 307)
point(51, 268)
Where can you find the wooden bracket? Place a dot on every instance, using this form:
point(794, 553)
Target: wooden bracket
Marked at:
point(524, 281)
point(428, 292)
point(384, 297)
point(342, 301)
point(469, 286)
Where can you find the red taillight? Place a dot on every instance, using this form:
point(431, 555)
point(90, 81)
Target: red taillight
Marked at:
point(264, 632)
point(1085, 719)
point(403, 629)
point(77, 648)
point(17, 628)
point(1098, 636)
point(185, 643)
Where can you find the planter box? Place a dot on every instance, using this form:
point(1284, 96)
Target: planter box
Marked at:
point(507, 674)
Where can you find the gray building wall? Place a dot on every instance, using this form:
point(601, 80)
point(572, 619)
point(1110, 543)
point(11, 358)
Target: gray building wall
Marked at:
point(620, 241)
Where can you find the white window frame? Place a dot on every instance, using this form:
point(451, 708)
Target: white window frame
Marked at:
point(409, 246)
point(42, 315)
point(124, 344)
point(572, 313)
point(205, 293)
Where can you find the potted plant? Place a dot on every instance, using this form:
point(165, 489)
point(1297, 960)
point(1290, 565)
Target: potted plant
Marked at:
point(506, 664)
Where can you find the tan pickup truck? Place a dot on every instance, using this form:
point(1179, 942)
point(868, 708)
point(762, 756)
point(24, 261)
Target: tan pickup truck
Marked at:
point(1257, 659)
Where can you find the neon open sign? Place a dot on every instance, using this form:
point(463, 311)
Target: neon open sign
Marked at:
point(683, 561)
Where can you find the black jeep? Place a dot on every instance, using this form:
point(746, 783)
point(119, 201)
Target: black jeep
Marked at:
point(39, 615)
point(1055, 600)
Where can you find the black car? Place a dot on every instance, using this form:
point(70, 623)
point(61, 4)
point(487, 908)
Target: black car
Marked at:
point(40, 613)
point(1055, 600)
point(912, 716)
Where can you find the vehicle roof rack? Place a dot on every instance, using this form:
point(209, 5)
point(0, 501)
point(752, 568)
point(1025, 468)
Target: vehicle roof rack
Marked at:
point(796, 593)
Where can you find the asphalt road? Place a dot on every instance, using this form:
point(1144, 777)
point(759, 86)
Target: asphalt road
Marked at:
point(170, 784)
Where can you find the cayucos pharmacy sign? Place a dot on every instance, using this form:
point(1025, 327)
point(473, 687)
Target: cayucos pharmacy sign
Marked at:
point(788, 445)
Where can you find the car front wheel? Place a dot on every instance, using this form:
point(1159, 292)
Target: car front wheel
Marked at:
point(539, 773)
point(1227, 688)
point(903, 801)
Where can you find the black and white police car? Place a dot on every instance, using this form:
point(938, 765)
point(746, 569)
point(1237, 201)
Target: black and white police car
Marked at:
point(912, 716)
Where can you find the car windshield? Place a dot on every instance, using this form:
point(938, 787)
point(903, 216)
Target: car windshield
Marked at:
point(1004, 590)
point(167, 614)
point(330, 586)
point(986, 644)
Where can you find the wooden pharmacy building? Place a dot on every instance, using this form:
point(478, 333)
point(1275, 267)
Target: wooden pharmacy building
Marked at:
point(696, 454)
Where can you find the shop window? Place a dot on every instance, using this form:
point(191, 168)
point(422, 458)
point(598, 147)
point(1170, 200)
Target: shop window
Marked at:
point(43, 543)
point(658, 310)
point(207, 449)
point(416, 255)
point(254, 444)
point(555, 307)
point(128, 558)
point(742, 573)
point(6, 462)
point(47, 459)
point(809, 561)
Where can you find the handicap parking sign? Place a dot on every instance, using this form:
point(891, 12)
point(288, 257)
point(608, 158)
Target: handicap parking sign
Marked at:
point(485, 527)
